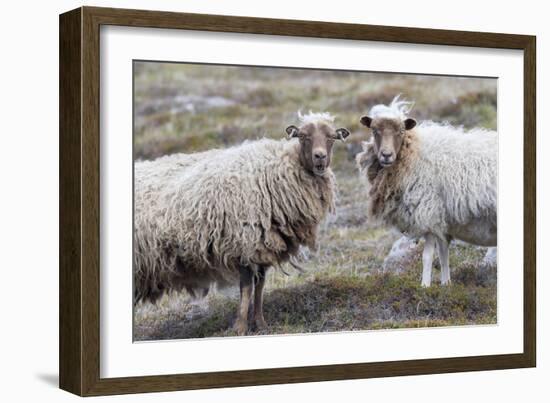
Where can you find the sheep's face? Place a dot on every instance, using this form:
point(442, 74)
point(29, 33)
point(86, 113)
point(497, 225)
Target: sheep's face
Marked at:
point(388, 136)
point(316, 141)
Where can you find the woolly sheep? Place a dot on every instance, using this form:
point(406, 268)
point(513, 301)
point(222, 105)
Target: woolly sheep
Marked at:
point(225, 216)
point(432, 180)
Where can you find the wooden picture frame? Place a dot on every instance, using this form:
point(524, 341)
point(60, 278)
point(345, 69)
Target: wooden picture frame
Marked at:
point(79, 349)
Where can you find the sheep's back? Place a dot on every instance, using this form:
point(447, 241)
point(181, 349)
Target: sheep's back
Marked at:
point(465, 167)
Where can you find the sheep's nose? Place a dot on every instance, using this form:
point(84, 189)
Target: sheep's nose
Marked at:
point(320, 155)
point(386, 155)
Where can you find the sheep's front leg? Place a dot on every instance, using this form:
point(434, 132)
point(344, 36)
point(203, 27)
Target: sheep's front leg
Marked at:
point(443, 251)
point(427, 259)
point(259, 283)
point(246, 285)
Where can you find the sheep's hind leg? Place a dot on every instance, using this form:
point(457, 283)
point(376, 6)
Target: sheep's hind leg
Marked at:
point(259, 283)
point(443, 251)
point(246, 285)
point(427, 259)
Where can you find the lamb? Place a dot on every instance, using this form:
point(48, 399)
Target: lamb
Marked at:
point(430, 180)
point(225, 216)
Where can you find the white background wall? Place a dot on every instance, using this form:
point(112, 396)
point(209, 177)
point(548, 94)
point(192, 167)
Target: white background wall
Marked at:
point(29, 198)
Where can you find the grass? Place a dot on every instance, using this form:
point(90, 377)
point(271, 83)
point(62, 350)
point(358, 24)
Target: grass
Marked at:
point(182, 107)
point(344, 288)
point(343, 302)
point(189, 108)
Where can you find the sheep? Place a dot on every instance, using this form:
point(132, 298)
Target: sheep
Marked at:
point(225, 216)
point(430, 180)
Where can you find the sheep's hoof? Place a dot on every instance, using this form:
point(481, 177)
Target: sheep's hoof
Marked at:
point(260, 324)
point(241, 327)
point(446, 282)
point(426, 284)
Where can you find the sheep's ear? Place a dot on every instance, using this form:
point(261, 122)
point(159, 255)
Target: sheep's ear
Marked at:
point(366, 121)
point(342, 133)
point(409, 123)
point(292, 131)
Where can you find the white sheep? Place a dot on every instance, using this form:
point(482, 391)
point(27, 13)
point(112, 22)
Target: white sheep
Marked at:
point(225, 216)
point(432, 180)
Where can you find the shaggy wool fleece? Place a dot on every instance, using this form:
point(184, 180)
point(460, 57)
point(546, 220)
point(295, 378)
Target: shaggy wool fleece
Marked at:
point(444, 179)
point(198, 217)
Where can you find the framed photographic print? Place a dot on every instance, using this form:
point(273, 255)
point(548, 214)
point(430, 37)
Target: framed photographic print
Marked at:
point(249, 201)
